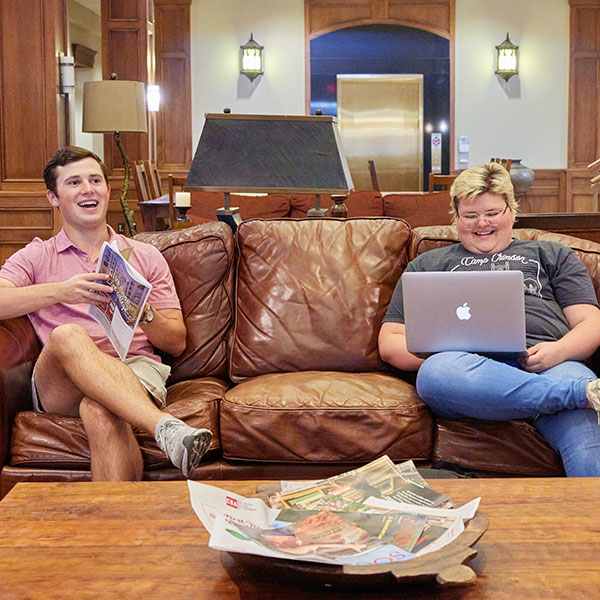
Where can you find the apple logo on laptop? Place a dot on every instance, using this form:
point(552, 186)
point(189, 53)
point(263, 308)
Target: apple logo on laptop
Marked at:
point(463, 312)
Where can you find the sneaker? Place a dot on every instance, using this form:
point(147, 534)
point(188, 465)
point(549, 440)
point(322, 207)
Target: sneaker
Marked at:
point(183, 445)
point(592, 392)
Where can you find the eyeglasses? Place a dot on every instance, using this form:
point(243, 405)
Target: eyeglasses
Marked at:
point(491, 217)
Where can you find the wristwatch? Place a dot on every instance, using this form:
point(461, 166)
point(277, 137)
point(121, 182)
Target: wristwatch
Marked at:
point(147, 315)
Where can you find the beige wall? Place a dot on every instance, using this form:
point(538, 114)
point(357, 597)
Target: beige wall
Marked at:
point(527, 117)
point(218, 29)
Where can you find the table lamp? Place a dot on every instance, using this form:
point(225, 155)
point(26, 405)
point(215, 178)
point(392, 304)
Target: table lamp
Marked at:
point(114, 106)
point(268, 154)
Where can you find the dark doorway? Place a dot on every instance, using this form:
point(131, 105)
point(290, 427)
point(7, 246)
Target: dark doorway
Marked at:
point(387, 49)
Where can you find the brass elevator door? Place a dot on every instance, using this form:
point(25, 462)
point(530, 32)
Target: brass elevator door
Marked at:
point(380, 118)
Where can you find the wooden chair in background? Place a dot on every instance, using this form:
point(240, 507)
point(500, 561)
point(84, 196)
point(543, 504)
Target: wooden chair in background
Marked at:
point(442, 182)
point(373, 172)
point(141, 181)
point(505, 162)
point(153, 177)
point(153, 204)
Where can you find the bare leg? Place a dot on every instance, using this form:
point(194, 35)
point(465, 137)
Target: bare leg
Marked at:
point(69, 364)
point(119, 460)
point(73, 377)
point(71, 367)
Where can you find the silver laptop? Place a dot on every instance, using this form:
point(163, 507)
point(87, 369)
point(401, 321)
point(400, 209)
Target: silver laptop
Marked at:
point(475, 311)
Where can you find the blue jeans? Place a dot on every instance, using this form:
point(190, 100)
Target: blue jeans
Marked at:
point(456, 385)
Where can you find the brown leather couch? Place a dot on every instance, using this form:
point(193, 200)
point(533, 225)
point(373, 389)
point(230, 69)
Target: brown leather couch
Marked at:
point(281, 361)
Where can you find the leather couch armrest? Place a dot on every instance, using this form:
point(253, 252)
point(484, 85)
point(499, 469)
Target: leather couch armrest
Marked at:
point(19, 348)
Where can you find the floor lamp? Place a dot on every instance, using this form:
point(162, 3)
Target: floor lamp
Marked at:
point(115, 106)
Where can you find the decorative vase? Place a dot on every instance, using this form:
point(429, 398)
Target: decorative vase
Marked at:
point(339, 208)
point(522, 177)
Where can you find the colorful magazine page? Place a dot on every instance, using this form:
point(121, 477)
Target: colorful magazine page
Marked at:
point(120, 316)
point(380, 478)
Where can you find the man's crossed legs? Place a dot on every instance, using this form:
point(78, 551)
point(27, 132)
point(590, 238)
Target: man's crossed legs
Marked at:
point(73, 377)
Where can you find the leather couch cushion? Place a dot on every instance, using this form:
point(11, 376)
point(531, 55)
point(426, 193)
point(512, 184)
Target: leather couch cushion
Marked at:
point(362, 203)
point(201, 262)
point(321, 417)
point(511, 447)
point(49, 440)
point(272, 206)
point(419, 209)
point(311, 294)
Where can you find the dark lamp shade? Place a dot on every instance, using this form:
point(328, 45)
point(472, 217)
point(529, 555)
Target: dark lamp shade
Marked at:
point(269, 153)
point(114, 105)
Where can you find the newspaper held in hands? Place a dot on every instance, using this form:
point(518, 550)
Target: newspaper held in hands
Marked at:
point(121, 315)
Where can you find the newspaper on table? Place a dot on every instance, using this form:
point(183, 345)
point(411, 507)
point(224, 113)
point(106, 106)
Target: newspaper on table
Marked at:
point(121, 315)
point(378, 479)
point(352, 528)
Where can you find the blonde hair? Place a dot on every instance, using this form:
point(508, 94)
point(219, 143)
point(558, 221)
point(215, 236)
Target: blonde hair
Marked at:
point(493, 178)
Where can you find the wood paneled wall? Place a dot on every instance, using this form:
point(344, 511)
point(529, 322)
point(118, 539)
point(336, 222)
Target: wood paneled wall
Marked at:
point(150, 41)
point(584, 101)
point(173, 74)
point(125, 52)
point(29, 124)
point(323, 16)
point(547, 194)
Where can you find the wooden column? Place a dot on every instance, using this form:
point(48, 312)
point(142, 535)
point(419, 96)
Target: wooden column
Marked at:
point(31, 35)
point(125, 52)
point(584, 101)
point(173, 75)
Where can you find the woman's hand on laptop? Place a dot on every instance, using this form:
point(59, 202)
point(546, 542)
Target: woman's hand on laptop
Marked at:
point(542, 356)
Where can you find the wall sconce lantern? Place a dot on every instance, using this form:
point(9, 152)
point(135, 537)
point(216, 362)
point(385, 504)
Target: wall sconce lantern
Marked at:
point(251, 59)
point(507, 59)
point(66, 74)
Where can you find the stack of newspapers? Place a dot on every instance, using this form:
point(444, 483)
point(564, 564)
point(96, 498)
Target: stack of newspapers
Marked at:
point(379, 513)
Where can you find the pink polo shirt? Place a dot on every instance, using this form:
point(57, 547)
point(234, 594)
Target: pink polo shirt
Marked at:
point(57, 259)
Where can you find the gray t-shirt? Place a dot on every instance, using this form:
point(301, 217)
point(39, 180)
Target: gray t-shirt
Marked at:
point(553, 279)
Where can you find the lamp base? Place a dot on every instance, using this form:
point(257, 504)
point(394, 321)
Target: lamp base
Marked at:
point(182, 221)
point(231, 216)
point(316, 212)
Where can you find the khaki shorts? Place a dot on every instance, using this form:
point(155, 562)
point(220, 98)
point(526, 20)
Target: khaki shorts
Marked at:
point(151, 373)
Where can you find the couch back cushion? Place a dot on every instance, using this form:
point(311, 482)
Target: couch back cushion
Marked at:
point(201, 262)
point(311, 293)
point(419, 209)
point(427, 238)
point(205, 204)
point(362, 203)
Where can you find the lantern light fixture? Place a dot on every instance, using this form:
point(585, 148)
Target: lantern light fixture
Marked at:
point(507, 59)
point(251, 59)
point(66, 74)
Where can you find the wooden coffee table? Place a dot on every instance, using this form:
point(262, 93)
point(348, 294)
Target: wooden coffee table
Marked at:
point(143, 540)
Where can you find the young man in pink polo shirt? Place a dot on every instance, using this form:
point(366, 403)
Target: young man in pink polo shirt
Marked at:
point(78, 372)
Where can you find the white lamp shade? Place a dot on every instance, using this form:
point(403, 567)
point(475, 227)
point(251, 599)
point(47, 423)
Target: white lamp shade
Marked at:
point(114, 105)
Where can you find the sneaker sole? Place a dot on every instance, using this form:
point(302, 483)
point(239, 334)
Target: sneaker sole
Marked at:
point(194, 448)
